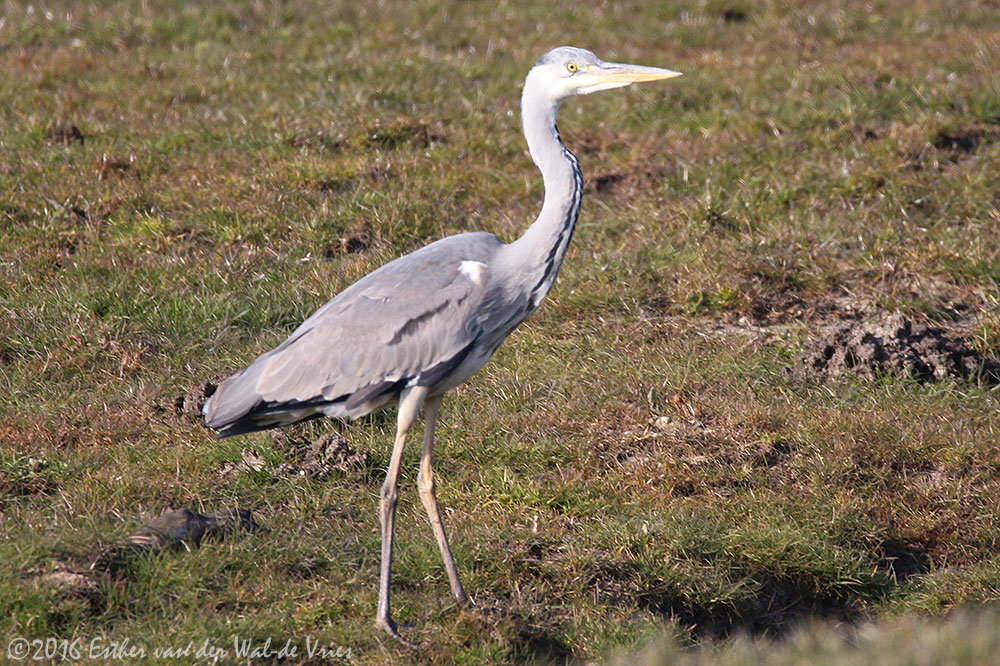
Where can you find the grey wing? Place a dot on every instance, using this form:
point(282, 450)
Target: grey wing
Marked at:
point(410, 322)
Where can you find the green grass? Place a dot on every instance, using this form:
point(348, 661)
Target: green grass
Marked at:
point(966, 638)
point(182, 183)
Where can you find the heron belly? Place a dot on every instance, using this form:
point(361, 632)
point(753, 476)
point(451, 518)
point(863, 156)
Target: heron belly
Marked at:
point(469, 366)
point(339, 410)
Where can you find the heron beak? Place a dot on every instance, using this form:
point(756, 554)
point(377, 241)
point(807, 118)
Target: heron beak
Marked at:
point(616, 75)
point(613, 72)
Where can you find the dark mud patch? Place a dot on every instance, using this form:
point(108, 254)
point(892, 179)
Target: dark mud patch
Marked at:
point(894, 346)
point(355, 240)
point(735, 15)
point(346, 245)
point(958, 142)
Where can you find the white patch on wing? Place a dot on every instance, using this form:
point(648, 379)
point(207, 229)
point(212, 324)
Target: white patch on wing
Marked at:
point(474, 270)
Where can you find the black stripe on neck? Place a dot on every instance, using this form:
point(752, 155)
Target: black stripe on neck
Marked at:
point(569, 224)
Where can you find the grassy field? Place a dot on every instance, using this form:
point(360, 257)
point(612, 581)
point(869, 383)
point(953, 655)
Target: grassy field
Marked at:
point(182, 183)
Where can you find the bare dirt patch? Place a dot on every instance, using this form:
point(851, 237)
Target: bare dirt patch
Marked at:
point(894, 346)
point(631, 180)
point(328, 453)
point(901, 559)
point(958, 142)
point(735, 15)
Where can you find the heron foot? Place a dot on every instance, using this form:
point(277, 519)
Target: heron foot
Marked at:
point(390, 627)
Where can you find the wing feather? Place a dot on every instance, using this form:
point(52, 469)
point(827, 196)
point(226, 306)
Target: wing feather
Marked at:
point(412, 317)
point(395, 339)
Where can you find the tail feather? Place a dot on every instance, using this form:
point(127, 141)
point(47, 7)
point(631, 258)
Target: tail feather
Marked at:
point(235, 399)
point(237, 408)
point(258, 422)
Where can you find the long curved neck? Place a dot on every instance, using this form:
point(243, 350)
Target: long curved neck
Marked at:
point(540, 251)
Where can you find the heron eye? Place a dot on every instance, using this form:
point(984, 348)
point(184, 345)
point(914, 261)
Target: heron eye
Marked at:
point(572, 67)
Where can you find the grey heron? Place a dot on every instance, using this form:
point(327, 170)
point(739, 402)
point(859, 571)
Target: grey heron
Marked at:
point(428, 321)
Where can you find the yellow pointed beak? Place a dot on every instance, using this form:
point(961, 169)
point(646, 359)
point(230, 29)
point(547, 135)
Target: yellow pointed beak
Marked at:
point(610, 75)
point(613, 72)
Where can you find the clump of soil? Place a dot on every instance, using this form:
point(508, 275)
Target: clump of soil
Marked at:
point(66, 135)
point(350, 244)
point(328, 453)
point(251, 462)
point(188, 406)
point(897, 346)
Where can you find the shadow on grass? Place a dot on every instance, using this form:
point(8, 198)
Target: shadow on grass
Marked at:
point(527, 641)
point(542, 647)
point(780, 603)
point(778, 606)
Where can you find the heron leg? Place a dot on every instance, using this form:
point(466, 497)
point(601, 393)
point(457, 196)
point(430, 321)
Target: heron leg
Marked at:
point(410, 401)
point(425, 484)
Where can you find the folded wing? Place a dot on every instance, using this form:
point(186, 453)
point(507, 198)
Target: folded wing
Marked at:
point(410, 322)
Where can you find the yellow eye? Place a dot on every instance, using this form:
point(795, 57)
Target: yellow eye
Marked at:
point(572, 67)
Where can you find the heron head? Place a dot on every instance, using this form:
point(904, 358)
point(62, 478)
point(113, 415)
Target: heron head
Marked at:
point(568, 71)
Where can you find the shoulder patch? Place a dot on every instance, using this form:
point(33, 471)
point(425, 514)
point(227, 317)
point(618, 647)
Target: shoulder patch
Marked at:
point(474, 270)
